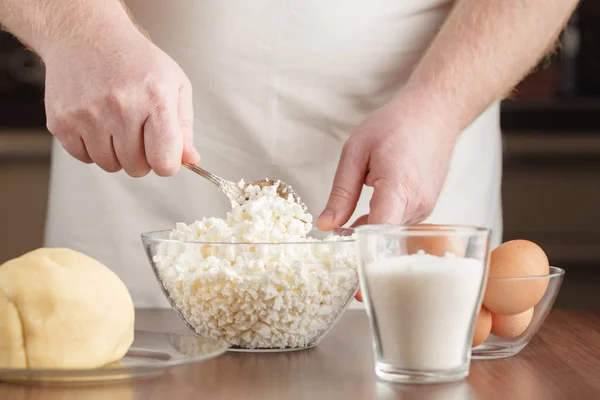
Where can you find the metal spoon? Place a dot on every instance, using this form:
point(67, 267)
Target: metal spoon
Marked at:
point(236, 195)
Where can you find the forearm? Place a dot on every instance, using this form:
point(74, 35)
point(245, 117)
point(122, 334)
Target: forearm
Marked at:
point(481, 52)
point(47, 25)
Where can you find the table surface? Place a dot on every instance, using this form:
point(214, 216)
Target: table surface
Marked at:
point(561, 362)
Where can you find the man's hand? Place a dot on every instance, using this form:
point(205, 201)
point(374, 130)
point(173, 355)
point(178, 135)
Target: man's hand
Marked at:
point(483, 49)
point(403, 149)
point(403, 155)
point(112, 97)
point(124, 104)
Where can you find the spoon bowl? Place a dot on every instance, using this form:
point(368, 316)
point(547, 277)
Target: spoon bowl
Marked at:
point(284, 190)
point(236, 194)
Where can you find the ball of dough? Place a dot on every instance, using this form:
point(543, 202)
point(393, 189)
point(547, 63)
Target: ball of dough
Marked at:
point(62, 309)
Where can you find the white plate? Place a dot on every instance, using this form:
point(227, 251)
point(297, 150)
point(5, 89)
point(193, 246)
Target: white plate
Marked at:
point(150, 355)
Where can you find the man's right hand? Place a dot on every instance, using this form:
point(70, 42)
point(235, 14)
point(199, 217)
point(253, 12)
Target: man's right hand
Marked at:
point(122, 104)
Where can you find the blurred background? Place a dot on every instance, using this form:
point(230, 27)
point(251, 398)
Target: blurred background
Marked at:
point(551, 183)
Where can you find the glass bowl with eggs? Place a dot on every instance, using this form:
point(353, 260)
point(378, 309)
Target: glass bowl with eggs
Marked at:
point(521, 288)
point(262, 279)
point(519, 294)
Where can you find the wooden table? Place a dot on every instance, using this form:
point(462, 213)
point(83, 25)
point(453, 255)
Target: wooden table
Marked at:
point(562, 362)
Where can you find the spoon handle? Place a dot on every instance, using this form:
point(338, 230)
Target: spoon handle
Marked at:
point(220, 182)
point(230, 189)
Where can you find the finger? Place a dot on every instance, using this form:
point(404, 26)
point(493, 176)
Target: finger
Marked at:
point(387, 204)
point(129, 149)
point(76, 148)
point(362, 220)
point(64, 129)
point(126, 127)
point(163, 140)
point(101, 150)
point(415, 219)
point(346, 189)
point(186, 121)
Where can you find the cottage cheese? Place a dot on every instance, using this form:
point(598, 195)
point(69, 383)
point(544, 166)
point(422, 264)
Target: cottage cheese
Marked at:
point(254, 288)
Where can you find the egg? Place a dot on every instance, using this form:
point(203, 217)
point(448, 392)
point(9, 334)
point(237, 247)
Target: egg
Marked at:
point(483, 326)
point(516, 258)
point(436, 244)
point(511, 326)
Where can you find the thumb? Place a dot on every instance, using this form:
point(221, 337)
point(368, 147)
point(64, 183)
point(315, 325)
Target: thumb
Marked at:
point(346, 189)
point(186, 122)
point(388, 204)
point(190, 154)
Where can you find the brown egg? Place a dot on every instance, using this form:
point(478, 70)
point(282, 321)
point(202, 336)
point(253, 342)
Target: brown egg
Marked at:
point(517, 258)
point(483, 325)
point(437, 245)
point(511, 326)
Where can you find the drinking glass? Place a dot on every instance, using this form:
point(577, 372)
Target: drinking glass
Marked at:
point(422, 286)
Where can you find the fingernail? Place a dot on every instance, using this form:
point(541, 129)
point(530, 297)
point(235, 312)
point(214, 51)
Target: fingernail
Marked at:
point(326, 218)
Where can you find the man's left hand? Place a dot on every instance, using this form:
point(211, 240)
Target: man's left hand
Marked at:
point(403, 155)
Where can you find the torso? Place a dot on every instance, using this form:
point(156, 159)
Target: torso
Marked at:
point(278, 88)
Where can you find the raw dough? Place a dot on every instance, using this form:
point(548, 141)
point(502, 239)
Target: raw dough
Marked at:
point(62, 309)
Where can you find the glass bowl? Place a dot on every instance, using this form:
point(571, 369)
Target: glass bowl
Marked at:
point(498, 347)
point(257, 296)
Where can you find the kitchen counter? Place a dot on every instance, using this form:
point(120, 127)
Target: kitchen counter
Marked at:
point(562, 362)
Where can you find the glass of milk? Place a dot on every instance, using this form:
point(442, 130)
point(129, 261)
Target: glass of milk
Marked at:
point(422, 286)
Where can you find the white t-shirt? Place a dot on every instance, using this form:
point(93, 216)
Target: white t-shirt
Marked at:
point(278, 88)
